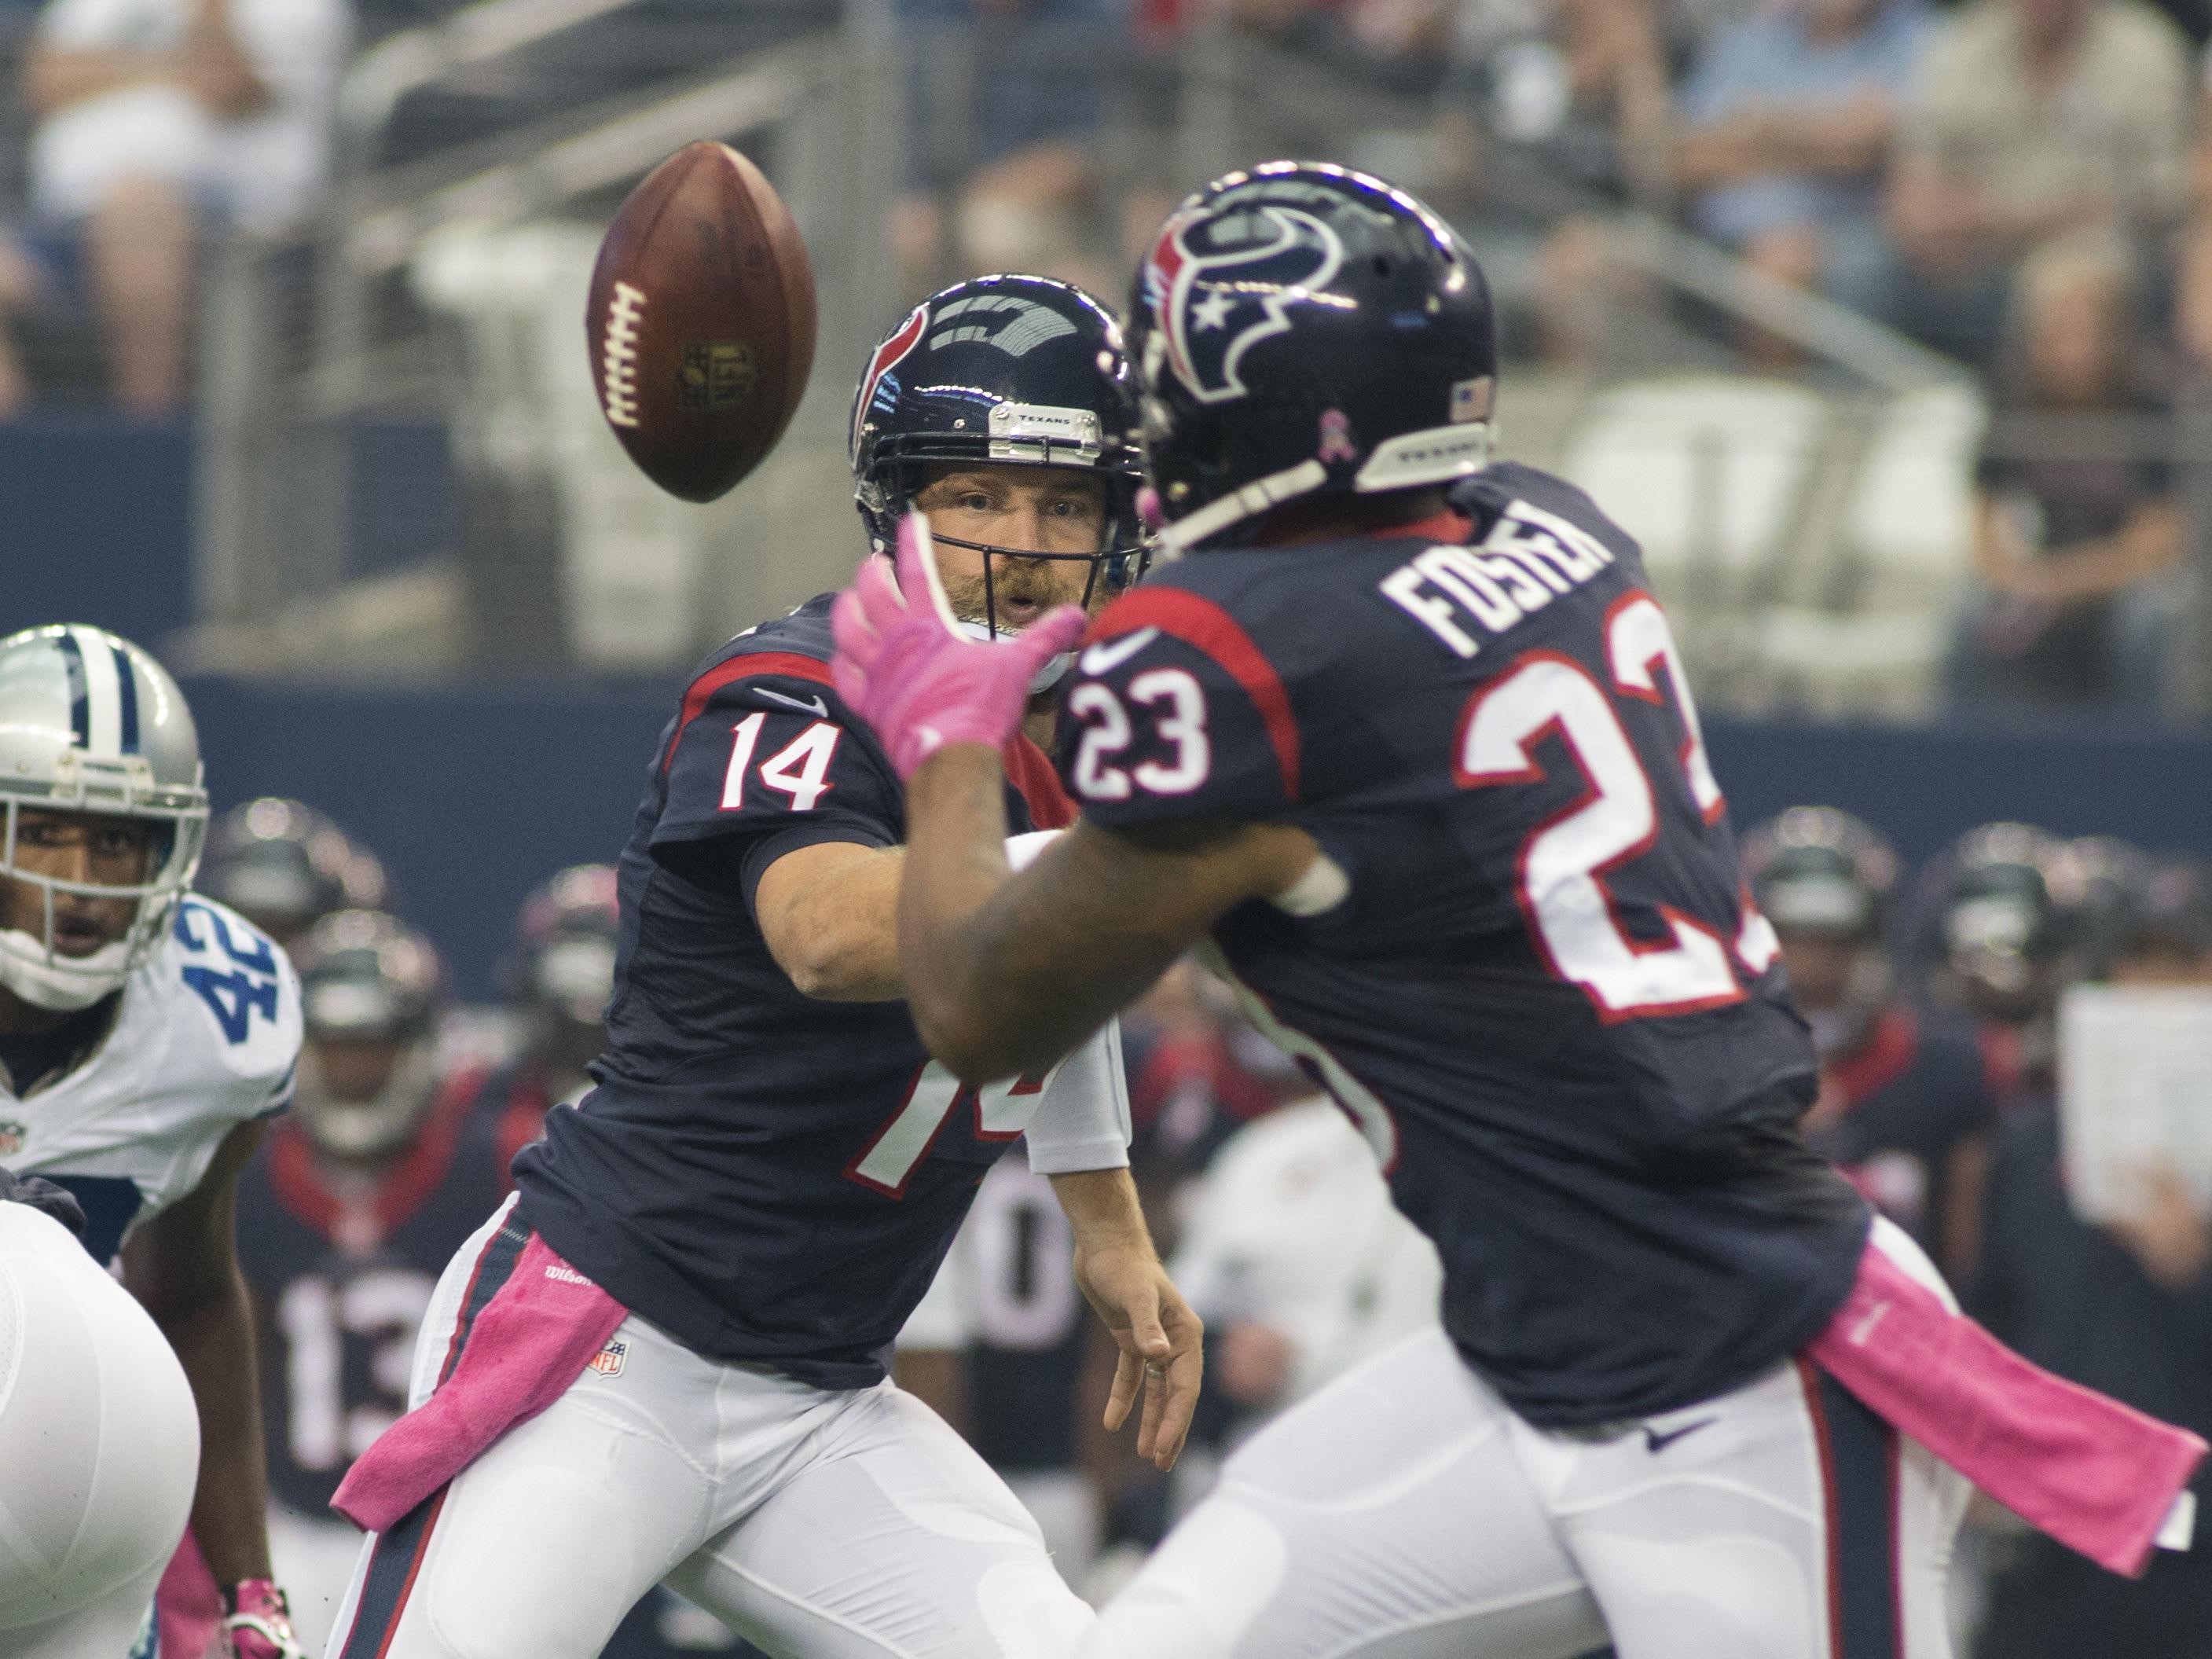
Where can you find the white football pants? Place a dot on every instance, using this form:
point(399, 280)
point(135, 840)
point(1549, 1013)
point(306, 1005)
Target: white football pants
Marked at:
point(1404, 1512)
point(818, 1523)
point(99, 1450)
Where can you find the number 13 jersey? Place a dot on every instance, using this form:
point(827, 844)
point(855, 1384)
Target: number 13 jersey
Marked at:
point(1530, 970)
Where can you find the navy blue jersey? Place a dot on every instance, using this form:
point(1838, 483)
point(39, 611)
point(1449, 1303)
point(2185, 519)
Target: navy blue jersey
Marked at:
point(1895, 1113)
point(767, 1177)
point(1540, 988)
point(340, 1277)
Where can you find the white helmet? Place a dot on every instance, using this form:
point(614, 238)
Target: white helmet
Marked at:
point(90, 723)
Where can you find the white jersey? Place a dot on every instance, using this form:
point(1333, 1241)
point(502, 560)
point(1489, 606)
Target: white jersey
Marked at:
point(1293, 1227)
point(207, 1037)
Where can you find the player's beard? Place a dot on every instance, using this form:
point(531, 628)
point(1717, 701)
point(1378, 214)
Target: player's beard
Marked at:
point(1024, 590)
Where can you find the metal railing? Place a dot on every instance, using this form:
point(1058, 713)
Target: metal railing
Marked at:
point(822, 111)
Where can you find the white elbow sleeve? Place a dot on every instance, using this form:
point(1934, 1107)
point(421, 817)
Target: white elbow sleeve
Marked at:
point(1082, 1121)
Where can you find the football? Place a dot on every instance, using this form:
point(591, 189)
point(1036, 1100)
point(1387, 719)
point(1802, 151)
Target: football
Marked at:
point(702, 321)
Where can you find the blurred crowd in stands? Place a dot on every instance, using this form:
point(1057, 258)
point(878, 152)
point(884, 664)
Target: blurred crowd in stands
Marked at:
point(2024, 185)
point(1935, 1005)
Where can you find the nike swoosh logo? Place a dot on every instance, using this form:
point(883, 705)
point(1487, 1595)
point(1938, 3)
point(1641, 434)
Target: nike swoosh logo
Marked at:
point(1656, 1441)
point(1107, 655)
point(1859, 1333)
point(813, 706)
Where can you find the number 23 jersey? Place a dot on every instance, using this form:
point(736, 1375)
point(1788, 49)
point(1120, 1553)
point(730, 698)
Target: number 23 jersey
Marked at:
point(1530, 971)
point(206, 1036)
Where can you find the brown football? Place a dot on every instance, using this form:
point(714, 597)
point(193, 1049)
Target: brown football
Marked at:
point(702, 321)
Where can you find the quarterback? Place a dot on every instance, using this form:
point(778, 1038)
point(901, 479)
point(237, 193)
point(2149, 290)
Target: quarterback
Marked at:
point(145, 1034)
point(664, 1362)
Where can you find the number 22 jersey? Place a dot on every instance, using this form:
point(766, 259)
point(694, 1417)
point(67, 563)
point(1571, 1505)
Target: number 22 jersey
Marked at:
point(1530, 970)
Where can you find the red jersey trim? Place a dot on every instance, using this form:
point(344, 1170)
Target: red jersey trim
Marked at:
point(703, 690)
point(421, 1170)
point(1031, 771)
point(1886, 1056)
point(1201, 623)
point(1444, 526)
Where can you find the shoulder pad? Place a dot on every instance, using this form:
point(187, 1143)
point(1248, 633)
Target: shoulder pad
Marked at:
point(235, 991)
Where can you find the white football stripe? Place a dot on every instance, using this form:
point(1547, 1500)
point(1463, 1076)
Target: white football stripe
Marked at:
point(103, 696)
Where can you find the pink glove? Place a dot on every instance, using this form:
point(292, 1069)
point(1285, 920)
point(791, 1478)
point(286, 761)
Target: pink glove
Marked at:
point(908, 670)
point(258, 1622)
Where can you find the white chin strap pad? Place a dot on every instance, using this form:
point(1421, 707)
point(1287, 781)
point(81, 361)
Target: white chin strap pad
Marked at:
point(1053, 670)
point(62, 984)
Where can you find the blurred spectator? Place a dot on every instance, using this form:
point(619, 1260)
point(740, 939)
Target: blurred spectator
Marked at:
point(19, 289)
point(1579, 88)
point(2037, 128)
point(159, 118)
point(2067, 545)
point(1003, 103)
point(2125, 1307)
point(2192, 297)
point(283, 865)
point(1787, 119)
point(1908, 1095)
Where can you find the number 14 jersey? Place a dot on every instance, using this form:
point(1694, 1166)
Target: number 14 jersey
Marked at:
point(1532, 973)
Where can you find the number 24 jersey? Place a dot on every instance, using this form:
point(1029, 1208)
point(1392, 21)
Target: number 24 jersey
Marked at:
point(1534, 976)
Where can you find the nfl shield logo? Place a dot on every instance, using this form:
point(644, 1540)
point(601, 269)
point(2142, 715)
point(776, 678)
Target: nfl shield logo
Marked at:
point(608, 1361)
point(12, 1137)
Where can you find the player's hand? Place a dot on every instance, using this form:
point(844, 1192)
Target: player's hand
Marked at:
point(44, 1197)
point(905, 667)
point(258, 1622)
point(2165, 1233)
point(1161, 1343)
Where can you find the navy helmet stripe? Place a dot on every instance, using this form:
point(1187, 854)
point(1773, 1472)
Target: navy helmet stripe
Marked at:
point(126, 687)
point(79, 689)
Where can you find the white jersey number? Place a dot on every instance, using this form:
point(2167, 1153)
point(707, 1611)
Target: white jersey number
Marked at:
point(236, 993)
point(1563, 863)
point(1179, 704)
point(1025, 1296)
point(800, 770)
point(1002, 1110)
point(383, 1307)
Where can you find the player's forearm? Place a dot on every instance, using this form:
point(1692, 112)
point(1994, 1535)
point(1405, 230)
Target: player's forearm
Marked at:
point(214, 1342)
point(1101, 1208)
point(1006, 974)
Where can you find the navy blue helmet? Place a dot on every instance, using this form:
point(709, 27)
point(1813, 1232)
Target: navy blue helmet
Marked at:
point(1020, 370)
point(1299, 331)
point(1992, 930)
point(1814, 870)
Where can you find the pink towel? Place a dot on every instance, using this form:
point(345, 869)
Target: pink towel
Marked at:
point(531, 1341)
point(187, 1606)
point(2099, 1476)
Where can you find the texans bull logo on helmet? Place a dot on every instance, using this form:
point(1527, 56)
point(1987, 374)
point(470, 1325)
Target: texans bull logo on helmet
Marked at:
point(1220, 282)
